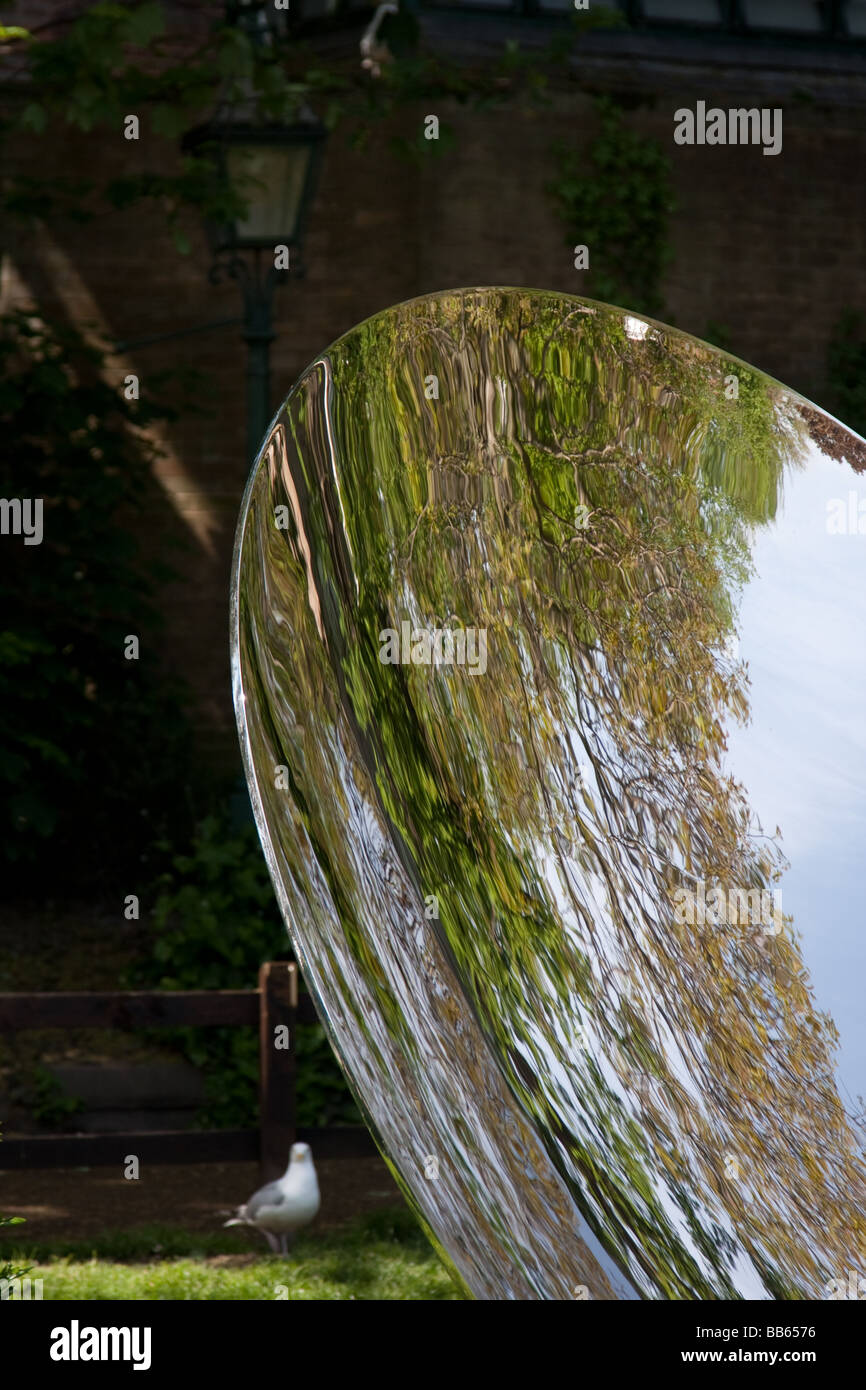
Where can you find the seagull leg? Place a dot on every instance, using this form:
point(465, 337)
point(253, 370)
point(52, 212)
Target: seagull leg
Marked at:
point(272, 1241)
point(284, 1244)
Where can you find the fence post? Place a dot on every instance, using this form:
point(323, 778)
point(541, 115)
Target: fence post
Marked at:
point(278, 1003)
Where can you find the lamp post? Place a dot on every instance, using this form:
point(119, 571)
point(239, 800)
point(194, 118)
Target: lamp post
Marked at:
point(275, 169)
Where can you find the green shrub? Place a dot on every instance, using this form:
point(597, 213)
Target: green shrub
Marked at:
point(46, 1099)
point(7, 1269)
point(215, 922)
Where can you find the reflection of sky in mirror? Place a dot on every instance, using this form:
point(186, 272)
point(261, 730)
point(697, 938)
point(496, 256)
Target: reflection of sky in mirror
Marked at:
point(803, 757)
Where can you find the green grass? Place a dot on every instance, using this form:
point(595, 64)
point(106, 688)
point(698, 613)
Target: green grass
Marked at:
point(382, 1256)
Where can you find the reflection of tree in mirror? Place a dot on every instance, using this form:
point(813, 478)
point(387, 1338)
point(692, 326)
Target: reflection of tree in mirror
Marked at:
point(835, 441)
point(590, 502)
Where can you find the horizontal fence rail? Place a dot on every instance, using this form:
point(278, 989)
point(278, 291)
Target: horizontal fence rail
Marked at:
point(276, 1005)
point(183, 1008)
point(174, 1146)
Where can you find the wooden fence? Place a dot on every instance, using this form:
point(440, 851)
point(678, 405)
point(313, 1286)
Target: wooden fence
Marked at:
point(275, 1003)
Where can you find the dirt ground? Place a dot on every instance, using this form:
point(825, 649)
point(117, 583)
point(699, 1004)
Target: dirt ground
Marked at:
point(74, 1204)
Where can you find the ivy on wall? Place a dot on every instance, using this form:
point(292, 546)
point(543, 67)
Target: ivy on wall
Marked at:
point(616, 199)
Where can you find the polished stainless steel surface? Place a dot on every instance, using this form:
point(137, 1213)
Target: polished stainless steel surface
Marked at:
point(510, 569)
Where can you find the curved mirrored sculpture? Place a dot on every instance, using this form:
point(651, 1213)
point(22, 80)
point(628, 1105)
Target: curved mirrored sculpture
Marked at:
point(549, 636)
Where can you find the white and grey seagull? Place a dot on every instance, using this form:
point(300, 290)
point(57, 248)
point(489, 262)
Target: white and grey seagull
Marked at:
point(280, 1208)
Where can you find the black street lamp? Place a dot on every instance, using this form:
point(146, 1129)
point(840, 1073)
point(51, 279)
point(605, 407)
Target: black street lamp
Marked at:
point(275, 169)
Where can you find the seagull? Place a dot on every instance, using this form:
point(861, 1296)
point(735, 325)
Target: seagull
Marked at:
point(280, 1208)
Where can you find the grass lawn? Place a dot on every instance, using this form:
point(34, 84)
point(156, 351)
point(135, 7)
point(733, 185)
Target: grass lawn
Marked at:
point(382, 1256)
